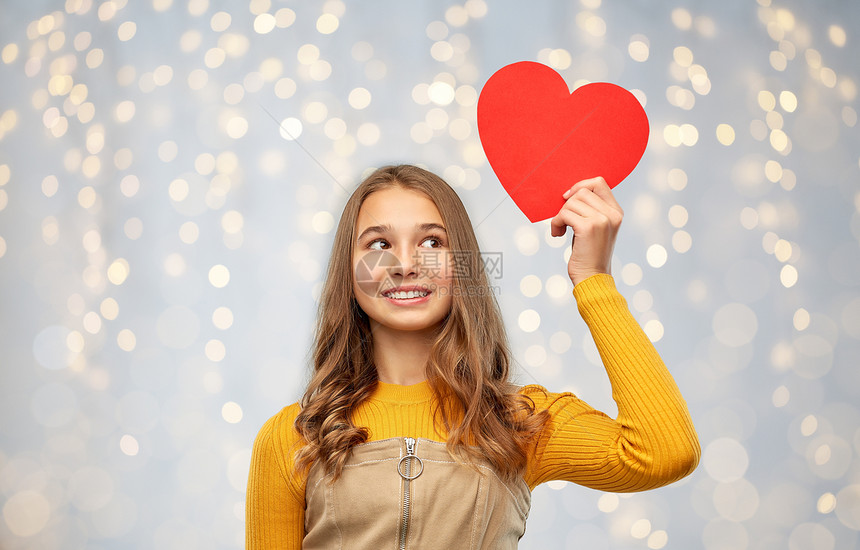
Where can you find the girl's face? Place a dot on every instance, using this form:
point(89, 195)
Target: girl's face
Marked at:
point(403, 277)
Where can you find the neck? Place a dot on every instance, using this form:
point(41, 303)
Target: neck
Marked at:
point(400, 356)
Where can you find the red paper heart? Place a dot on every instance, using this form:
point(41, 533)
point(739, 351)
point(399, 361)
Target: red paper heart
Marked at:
point(540, 139)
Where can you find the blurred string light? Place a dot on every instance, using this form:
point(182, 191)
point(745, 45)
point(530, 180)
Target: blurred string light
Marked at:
point(162, 248)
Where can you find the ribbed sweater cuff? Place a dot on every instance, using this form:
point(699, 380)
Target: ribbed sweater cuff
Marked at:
point(596, 290)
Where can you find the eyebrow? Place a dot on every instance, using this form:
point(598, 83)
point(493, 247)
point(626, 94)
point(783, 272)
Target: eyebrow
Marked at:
point(387, 228)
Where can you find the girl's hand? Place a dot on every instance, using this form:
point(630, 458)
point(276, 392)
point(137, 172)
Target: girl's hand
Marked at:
point(595, 216)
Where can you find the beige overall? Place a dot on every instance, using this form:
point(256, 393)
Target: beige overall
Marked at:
point(406, 493)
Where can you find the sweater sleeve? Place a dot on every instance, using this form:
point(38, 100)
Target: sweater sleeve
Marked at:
point(651, 443)
point(275, 503)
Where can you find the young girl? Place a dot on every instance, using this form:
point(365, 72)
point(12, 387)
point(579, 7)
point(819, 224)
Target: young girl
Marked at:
point(410, 433)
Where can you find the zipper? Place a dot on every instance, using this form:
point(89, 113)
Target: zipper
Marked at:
point(404, 468)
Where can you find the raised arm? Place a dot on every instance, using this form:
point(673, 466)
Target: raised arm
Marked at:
point(652, 441)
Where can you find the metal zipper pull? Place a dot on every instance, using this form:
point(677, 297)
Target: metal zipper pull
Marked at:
point(404, 468)
point(406, 472)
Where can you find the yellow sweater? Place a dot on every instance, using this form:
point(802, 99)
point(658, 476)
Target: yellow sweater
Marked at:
point(652, 442)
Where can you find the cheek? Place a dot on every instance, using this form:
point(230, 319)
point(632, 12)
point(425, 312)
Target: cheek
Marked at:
point(449, 264)
point(456, 268)
point(447, 299)
point(438, 268)
point(371, 271)
point(363, 278)
point(446, 276)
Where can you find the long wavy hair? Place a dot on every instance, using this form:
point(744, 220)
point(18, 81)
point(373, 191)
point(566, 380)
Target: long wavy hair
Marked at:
point(469, 363)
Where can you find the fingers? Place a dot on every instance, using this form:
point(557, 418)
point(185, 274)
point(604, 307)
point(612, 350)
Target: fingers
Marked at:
point(587, 183)
point(595, 216)
point(558, 224)
point(588, 199)
point(581, 217)
point(599, 187)
point(565, 218)
point(587, 202)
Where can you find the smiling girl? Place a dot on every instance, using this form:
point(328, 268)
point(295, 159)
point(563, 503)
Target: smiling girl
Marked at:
point(410, 433)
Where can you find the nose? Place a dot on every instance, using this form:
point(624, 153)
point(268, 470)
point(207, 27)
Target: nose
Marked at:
point(407, 264)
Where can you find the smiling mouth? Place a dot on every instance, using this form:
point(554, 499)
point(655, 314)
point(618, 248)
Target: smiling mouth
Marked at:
point(405, 294)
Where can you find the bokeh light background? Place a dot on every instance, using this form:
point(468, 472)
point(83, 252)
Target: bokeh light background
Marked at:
point(171, 172)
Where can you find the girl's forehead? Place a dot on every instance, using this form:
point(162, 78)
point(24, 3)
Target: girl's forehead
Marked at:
point(397, 207)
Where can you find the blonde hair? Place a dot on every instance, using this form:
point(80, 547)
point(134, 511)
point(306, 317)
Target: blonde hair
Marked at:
point(469, 363)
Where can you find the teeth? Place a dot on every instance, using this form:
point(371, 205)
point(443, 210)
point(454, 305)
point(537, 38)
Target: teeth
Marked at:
point(406, 295)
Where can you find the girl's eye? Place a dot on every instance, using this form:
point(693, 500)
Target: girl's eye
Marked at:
point(378, 244)
point(436, 242)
